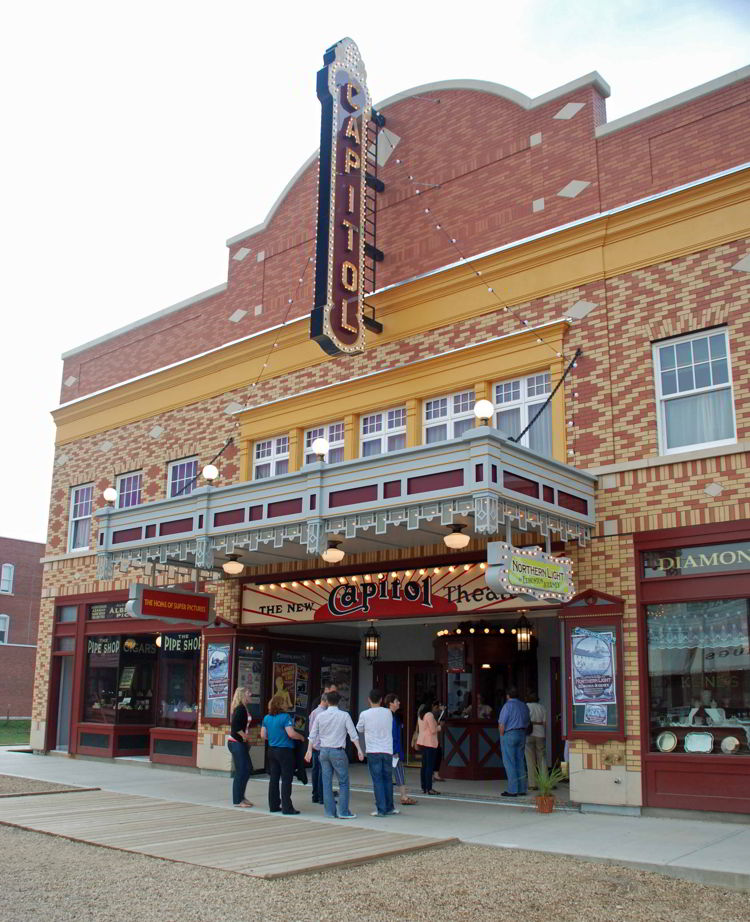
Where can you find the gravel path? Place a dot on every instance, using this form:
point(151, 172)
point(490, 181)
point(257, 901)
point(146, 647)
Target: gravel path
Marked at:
point(10, 784)
point(53, 880)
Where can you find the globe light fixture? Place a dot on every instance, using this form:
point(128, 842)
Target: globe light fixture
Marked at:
point(210, 473)
point(320, 446)
point(110, 495)
point(456, 539)
point(232, 565)
point(484, 411)
point(333, 553)
point(372, 644)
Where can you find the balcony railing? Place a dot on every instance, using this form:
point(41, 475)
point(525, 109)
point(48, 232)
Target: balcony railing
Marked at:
point(482, 479)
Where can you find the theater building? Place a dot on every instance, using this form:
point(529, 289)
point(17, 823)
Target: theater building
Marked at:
point(552, 364)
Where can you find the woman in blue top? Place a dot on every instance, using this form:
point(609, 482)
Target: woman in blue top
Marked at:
point(391, 701)
point(278, 729)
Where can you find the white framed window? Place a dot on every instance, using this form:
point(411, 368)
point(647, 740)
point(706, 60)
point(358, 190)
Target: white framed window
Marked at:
point(334, 432)
point(271, 457)
point(81, 500)
point(382, 432)
point(4, 628)
point(448, 417)
point(129, 489)
point(694, 391)
point(6, 577)
point(517, 402)
point(182, 476)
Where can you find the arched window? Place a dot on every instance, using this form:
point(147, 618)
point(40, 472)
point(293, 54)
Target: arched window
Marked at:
point(6, 577)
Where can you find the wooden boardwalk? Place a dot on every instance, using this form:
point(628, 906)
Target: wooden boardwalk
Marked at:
point(242, 841)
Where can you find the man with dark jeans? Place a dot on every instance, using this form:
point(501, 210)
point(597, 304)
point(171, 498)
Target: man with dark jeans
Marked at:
point(377, 725)
point(512, 722)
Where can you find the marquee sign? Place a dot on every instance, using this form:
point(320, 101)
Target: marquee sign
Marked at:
point(529, 573)
point(436, 591)
point(336, 321)
point(170, 605)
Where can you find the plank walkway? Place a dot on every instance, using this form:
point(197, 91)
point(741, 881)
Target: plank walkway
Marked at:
point(256, 844)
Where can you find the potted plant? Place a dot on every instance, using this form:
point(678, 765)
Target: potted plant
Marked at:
point(546, 780)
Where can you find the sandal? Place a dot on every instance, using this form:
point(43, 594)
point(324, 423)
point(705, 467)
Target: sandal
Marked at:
point(433, 793)
point(244, 804)
point(409, 800)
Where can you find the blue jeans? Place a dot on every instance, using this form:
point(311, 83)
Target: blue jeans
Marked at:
point(242, 769)
point(513, 746)
point(380, 765)
point(335, 760)
point(317, 778)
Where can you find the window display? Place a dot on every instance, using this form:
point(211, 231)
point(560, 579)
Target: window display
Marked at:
point(178, 681)
point(699, 676)
point(102, 665)
point(135, 689)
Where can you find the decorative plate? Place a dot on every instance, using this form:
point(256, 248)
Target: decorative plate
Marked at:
point(730, 744)
point(666, 741)
point(701, 741)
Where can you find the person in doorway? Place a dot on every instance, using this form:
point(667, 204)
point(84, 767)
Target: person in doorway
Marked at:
point(427, 742)
point(278, 729)
point(536, 741)
point(238, 746)
point(330, 732)
point(376, 724)
point(393, 704)
point(317, 778)
point(512, 722)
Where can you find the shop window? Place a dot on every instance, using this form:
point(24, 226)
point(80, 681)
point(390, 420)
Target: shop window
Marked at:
point(183, 476)
point(6, 577)
point(4, 628)
point(448, 417)
point(135, 687)
point(100, 690)
point(129, 490)
point(699, 677)
point(81, 499)
point(517, 403)
point(334, 433)
point(383, 432)
point(694, 392)
point(271, 457)
point(178, 680)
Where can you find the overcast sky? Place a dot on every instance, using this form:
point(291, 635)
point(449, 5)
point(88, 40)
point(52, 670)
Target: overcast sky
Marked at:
point(139, 136)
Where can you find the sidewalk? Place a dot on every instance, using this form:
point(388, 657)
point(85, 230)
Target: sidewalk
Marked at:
point(705, 852)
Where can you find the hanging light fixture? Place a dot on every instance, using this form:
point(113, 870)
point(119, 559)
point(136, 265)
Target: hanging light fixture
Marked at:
point(232, 565)
point(372, 644)
point(333, 553)
point(456, 539)
point(524, 633)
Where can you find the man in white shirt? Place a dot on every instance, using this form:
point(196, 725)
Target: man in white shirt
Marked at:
point(377, 725)
point(317, 774)
point(329, 732)
point(536, 742)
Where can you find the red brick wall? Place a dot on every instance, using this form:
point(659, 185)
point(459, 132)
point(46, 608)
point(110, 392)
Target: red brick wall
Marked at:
point(475, 148)
point(22, 607)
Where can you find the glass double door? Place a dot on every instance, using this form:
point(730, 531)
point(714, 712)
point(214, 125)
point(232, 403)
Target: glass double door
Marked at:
point(413, 683)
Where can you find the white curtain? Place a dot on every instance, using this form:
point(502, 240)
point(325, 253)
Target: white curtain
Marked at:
point(700, 418)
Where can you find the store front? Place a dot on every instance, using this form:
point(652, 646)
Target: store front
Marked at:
point(694, 594)
point(134, 683)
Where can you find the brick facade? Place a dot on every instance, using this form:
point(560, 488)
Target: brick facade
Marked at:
point(479, 182)
point(21, 605)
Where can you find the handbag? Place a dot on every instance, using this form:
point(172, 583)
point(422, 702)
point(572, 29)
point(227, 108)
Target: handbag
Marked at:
point(415, 737)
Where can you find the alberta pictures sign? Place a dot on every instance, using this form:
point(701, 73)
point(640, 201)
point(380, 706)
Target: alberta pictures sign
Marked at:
point(336, 322)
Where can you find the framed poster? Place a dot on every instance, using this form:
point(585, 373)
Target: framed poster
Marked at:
point(216, 698)
point(290, 678)
point(456, 657)
point(338, 670)
point(594, 678)
point(250, 663)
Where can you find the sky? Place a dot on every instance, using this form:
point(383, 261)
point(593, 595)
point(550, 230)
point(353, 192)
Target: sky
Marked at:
point(138, 137)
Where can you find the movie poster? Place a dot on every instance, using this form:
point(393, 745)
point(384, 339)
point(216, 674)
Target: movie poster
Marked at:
point(217, 680)
point(593, 667)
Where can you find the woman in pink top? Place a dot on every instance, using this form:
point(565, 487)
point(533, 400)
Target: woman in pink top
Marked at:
point(427, 741)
